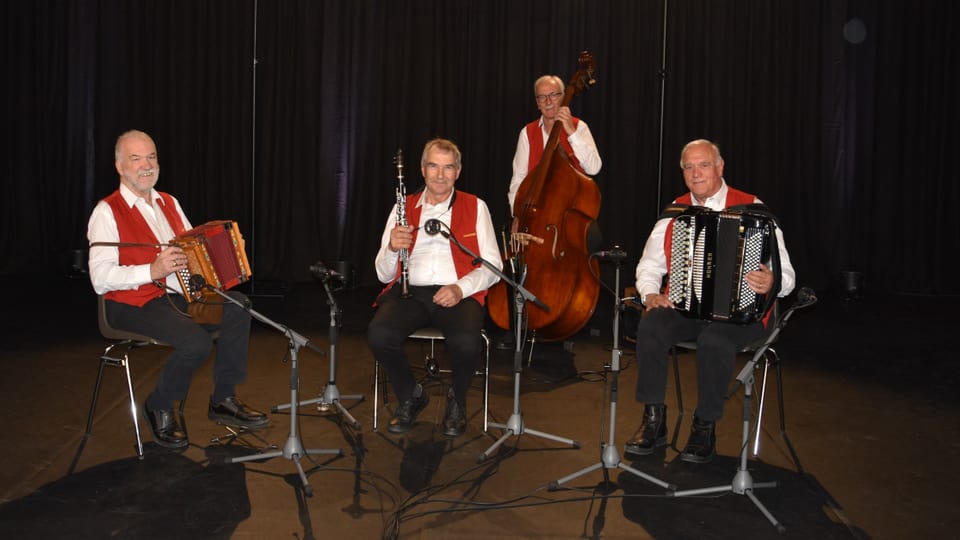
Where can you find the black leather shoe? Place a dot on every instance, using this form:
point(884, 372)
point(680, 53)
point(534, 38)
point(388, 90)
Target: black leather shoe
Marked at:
point(702, 444)
point(407, 412)
point(163, 425)
point(455, 419)
point(233, 412)
point(651, 434)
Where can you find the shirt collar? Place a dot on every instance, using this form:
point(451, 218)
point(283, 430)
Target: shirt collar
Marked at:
point(717, 201)
point(453, 197)
point(131, 198)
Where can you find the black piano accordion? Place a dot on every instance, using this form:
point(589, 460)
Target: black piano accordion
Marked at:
point(710, 254)
point(215, 251)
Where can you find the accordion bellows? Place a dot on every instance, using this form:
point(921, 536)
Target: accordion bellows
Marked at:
point(710, 254)
point(215, 251)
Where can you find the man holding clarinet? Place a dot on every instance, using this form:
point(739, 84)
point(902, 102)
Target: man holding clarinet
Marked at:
point(432, 282)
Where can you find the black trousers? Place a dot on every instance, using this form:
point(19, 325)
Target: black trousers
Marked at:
point(396, 318)
point(192, 344)
point(717, 347)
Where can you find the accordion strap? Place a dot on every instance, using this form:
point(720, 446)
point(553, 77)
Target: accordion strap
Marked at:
point(756, 209)
point(673, 210)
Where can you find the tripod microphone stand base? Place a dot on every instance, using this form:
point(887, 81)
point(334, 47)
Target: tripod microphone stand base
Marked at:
point(293, 450)
point(514, 426)
point(742, 483)
point(610, 459)
point(238, 434)
point(330, 400)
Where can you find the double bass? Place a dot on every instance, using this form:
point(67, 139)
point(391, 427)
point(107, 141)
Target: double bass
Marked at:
point(554, 207)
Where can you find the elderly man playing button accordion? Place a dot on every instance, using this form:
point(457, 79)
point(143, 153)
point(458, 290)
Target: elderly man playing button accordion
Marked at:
point(132, 264)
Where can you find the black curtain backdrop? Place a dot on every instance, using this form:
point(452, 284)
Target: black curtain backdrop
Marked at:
point(284, 116)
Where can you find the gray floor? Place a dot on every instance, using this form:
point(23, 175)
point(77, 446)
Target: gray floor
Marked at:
point(869, 394)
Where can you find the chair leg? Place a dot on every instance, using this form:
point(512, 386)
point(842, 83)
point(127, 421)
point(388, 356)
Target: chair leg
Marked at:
point(93, 401)
point(133, 405)
point(486, 378)
point(783, 421)
point(90, 414)
point(376, 393)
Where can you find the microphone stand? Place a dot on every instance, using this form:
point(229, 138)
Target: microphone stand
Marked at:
point(293, 449)
point(742, 482)
point(609, 455)
point(514, 425)
point(331, 395)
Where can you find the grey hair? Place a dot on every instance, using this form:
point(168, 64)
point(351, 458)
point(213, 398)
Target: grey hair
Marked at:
point(126, 135)
point(697, 142)
point(443, 145)
point(548, 78)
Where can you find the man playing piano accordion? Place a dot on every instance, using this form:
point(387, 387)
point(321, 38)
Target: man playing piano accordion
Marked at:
point(662, 325)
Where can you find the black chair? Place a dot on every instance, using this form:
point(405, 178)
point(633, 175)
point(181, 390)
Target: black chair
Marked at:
point(432, 369)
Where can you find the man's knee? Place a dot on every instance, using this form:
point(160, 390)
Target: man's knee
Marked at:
point(378, 336)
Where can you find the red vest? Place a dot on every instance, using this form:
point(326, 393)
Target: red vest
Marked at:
point(535, 137)
point(134, 229)
point(463, 225)
point(735, 197)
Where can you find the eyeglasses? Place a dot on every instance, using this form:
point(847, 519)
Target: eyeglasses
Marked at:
point(542, 98)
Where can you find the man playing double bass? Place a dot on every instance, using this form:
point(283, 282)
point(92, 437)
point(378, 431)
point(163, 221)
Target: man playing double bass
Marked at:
point(576, 140)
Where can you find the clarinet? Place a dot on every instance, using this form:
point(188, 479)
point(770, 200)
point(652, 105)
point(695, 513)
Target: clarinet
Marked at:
point(402, 221)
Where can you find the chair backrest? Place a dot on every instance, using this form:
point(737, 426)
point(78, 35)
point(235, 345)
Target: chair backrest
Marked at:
point(110, 332)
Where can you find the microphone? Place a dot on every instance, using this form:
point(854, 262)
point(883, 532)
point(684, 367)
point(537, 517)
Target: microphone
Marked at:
point(197, 282)
point(322, 273)
point(432, 226)
point(615, 254)
point(806, 295)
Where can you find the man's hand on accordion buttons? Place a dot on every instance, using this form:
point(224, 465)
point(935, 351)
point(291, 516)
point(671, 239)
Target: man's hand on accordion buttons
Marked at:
point(760, 281)
point(167, 262)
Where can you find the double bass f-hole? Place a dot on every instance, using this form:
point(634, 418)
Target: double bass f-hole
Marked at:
point(556, 237)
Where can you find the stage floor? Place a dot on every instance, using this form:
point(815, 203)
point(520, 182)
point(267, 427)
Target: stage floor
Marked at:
point(870, 403)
